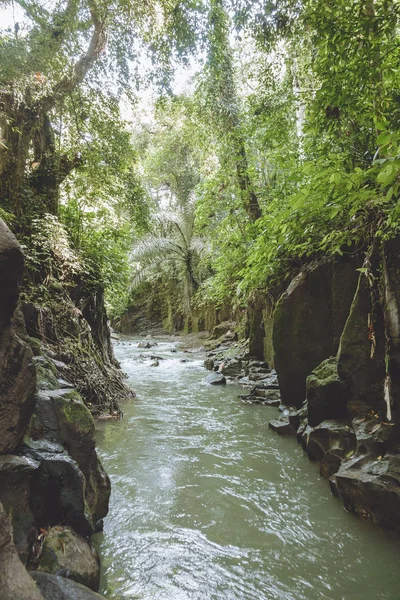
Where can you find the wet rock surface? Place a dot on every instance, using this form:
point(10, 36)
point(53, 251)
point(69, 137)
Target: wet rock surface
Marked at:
point(55, 587)
point(216, 379)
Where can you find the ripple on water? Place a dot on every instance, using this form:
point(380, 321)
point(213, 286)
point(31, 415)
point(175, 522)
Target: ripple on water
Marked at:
point(208, 503)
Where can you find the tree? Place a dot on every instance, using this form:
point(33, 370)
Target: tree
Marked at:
point(218, 95)
point(173, 241)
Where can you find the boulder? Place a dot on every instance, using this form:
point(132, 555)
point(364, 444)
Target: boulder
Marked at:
point(216, 379)
point(326, 394)
point(370, 487)
point(223, 328)
point(209, 364)
point(61, 416)
point(58, 493)
point(54, 587)
point(232, 368)
point(301, 314)
point(375, 437)
point(331, 462)
point(64, 551)
point(281, 426)
point(15, 582)
point(16, 474)
point(266, 393)
point(329, 435)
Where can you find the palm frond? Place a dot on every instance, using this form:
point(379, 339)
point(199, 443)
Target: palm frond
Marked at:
point(197, 245)
point(152, 248)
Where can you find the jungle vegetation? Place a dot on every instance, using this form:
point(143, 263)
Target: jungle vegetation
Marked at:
point(283, 145)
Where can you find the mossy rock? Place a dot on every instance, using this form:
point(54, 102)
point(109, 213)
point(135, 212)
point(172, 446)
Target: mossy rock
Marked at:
point(67, 552)
point(326, 393)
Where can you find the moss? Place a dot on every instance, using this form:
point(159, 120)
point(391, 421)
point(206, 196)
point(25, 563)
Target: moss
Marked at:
point(46, 380)
point(73, 415)
point(35, 344)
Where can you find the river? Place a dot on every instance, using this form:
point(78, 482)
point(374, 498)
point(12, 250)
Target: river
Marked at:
point(208, 503)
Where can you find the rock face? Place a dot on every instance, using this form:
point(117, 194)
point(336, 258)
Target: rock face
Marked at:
point(16, 475)
point(255, 319)
point(62, 417)
point(391, 281)
point(17, 373)
point(49, 469)
point(307, 319)
point(340, 329)
point(64, 551)
point(15, 582)
point(361, 356)
point(11, 266)
point(301, 313)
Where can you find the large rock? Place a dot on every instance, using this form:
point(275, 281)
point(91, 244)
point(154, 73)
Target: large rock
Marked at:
point(216, 379)
point(64, 551)
point(15, 582)
point(17, 373)
point(58, 493)
point(61, 416)
point(307, 319)
point(329, 435)
point(54, 587)
point(302, 313)
point(370, 487)
point(16, 474)
point(326, 394)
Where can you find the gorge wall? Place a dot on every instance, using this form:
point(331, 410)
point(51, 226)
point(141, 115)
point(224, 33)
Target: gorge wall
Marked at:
point(56, 364)
point(334, 338)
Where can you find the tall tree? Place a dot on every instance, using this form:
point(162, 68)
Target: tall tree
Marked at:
point(223, 104)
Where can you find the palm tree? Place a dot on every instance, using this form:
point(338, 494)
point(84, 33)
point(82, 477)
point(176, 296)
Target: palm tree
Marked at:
point(172, 241)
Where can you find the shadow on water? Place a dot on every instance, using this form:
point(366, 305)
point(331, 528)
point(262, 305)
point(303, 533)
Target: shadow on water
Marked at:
point(208, 503)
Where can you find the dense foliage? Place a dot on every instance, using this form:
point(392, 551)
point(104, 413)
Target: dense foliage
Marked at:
point(283, 148)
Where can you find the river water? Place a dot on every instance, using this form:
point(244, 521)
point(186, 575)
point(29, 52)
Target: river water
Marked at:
point(208, 503)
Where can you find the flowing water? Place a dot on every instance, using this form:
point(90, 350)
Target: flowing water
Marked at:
point(208, 503)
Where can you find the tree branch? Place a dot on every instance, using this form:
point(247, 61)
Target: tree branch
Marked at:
point(83, 65)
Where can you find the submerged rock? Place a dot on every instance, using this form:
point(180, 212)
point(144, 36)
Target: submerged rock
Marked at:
point(65, 551)
point(281, 426)
point(215, 379)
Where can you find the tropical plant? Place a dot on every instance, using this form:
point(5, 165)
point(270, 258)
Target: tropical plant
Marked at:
point(172, 246)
